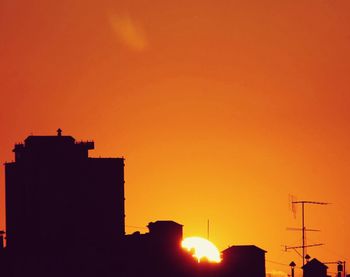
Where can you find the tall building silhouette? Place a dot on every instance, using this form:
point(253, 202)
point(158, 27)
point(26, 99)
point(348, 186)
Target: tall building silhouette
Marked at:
point(65, 217)
point(59, 201)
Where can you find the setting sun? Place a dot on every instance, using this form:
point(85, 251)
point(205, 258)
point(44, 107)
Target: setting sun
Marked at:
point(202, 249)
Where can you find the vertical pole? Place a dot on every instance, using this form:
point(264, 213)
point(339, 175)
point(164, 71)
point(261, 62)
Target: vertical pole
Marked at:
point(303, 230)
point(208, 229)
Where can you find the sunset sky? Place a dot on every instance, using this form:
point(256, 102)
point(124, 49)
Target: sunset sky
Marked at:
point(221, 109)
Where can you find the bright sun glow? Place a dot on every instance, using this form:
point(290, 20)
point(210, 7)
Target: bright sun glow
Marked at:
point(202, 249)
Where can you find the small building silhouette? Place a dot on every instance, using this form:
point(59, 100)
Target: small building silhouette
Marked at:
point(158, 252)
point(244, 261)
point(166, 232)
point(314, 268)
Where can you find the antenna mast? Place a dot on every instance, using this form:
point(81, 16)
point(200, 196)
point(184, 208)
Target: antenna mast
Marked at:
point(303, 228)
point(208, 229)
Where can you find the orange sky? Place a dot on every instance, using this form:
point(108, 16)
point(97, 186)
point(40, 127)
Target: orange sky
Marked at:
point(221, 108)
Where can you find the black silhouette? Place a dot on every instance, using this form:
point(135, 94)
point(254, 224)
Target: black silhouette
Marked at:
point(244, 261)
point(62, 207)
point(65, 217)
point(314, 268)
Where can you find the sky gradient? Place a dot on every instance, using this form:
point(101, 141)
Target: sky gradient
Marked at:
point(221, 109)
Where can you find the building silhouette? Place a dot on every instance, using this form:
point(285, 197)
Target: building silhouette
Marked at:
point(65, 217)
point(238, 261)
point(314, 268)
point(158, 252)
point(61, 203)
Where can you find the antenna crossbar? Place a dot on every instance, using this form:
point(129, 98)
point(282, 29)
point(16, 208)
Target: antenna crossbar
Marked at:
point(300, 229)
point(298, 247)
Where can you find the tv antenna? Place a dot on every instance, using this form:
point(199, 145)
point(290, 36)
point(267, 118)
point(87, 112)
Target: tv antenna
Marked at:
point(303, 229)
point(340, 267)
point(208, 229)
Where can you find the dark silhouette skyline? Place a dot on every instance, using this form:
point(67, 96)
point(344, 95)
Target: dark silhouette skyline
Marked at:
point(65, 216)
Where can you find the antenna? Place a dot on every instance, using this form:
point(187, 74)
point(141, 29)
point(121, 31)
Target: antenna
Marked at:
point(340, 267)
point(208, 229)
point(292, 205)
point(299, 229)
point(303, 228)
